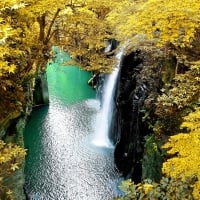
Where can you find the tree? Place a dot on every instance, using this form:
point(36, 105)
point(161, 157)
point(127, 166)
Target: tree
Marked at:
point(84, 33)
point(31, 28)
point(174, 22)
point(13, 58)
point(174, 103)
point(183, 149)
point(173, 27)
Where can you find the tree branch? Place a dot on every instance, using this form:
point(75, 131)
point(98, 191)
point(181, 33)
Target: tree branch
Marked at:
point(48, 37)
point(41, 21)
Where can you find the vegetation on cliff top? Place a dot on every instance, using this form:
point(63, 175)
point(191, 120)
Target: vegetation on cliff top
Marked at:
point(173, 27)
point(29, 28)
point(175, 22)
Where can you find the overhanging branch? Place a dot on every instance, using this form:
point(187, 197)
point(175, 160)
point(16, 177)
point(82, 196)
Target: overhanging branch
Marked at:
point(48, 37)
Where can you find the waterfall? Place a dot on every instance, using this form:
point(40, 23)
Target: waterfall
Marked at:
point(108, 48)
point(104, 116)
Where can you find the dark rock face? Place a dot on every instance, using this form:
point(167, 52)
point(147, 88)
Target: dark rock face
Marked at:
point(40, 93)
point(137, 90)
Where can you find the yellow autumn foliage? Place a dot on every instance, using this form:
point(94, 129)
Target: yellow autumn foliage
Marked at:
point(29, 29)
point(186, 148)
point(11, 157)
point(84, 30)
point(167, 188)
point(184, 90)
point(83, 26)
point(161, 21)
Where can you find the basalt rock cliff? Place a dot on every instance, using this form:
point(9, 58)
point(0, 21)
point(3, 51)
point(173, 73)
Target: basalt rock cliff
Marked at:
point(139, 84)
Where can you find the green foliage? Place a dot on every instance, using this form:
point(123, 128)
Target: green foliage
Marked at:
point(174, 100)
point(185, 90)
point(167, 189)
point(152, 159)
point(168, 73)
point(11, 157)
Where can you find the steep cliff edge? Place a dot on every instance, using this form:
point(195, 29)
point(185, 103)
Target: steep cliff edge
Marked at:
point(12, 128)
point(157, 87)
point(139, 85)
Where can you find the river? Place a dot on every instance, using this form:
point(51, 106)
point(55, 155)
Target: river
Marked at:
point(62, 162)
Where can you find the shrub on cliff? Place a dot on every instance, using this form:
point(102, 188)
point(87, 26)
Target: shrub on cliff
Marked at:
point(183, 149)
point(11, 157)
point(176, 102)
point(174, 22)
point(167, 189)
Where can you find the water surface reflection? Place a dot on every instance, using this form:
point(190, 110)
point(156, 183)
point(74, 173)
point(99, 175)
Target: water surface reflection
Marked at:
point(62, 163)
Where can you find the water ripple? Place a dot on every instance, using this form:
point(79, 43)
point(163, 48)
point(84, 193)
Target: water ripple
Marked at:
point(63, 164)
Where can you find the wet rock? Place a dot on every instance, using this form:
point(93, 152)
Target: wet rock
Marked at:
point(40, 93)
point(137, 90)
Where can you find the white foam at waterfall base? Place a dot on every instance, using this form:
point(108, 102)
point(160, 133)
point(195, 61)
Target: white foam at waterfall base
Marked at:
point(93, 103)
point(104, 117)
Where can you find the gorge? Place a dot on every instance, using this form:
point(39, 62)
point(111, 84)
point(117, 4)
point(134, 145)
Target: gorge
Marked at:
point(75, 142)
point(66, 159)
point(66, 156)
point(79, 145)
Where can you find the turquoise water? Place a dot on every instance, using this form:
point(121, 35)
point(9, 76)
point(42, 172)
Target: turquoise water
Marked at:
point(67, 83)
point(62, 163)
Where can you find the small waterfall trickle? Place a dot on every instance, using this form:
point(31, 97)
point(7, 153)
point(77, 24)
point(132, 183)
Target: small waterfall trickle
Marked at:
point(104, 116)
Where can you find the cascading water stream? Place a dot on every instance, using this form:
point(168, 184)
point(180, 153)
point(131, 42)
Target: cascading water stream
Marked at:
point(106, 111)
